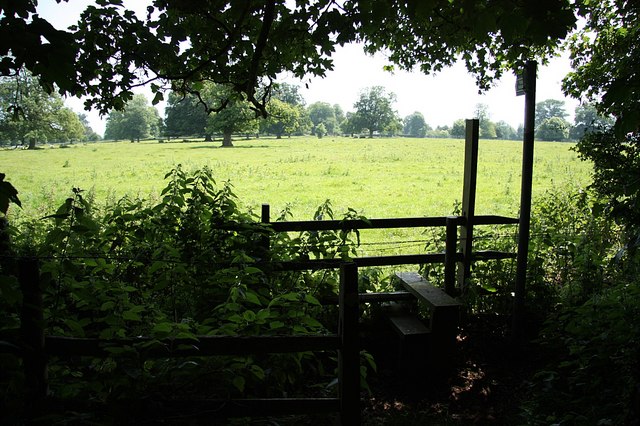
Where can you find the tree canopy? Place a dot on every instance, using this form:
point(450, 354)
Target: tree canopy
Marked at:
point(374, 110)
point(245, 45)
point(137, 121)
point(28, 114)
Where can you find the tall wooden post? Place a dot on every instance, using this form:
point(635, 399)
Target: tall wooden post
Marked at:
point(32, 332)
point(468, 199)
point(349, 355)
point(526, 85)
point(450, 252)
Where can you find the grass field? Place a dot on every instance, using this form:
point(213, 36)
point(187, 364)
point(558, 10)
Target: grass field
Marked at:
point(378, 177)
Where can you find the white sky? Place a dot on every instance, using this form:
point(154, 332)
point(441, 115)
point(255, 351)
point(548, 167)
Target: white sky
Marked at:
point(441, 98)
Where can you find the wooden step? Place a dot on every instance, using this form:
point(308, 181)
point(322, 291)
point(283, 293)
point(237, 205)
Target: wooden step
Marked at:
point(408, 325)
point(433, 296)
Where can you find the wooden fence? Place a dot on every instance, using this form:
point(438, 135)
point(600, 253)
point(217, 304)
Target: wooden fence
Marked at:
point(36, 347)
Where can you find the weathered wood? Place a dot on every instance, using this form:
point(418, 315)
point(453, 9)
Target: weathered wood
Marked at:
point(450, 251)
point(203, 346)
point(252, 407)
point(424, 291)
point(32, 331)
point(468, 199)
point(444, 316)
point(349, 355)
point(524, 227)
point(493, 255)
point(408, 325)
point(401, 222)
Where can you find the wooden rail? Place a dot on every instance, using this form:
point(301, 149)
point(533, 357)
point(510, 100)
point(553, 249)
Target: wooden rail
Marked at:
point(36, 347)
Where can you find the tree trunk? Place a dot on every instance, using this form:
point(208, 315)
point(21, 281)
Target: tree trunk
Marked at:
point(370, 134)
point(32, 143)
point(207, 138)
point(226, 140)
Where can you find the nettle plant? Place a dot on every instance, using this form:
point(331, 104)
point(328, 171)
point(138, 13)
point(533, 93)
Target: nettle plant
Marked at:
point(193, 264)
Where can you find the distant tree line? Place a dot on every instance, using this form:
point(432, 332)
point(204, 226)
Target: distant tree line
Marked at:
point(29, 114)
point(189, 115)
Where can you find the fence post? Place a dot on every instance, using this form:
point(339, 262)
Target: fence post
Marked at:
point(525, 199)
point(450, 252)
point(32, 332)
point(468, 199)
point(265, 218)
point(349, 355)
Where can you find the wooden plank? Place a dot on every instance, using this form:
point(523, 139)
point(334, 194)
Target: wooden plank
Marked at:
point(433, 296)
point(203, 346)
point(349, 354)
point(408, 325)
point(252, 407)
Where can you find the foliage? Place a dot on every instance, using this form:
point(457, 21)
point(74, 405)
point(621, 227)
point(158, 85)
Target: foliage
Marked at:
point(458, 130)
point(590, 340)
point(553, 129)
point(186, 266)
point(28, 114)
point(415, 125)
point(487, 127)
point(136, 121)
point(611, 30)
point(8, 194)
point(247, 45)
point(374, 110)
point(549, 108)
point(320, 130)
point(89, 134)
point(587, 119)
point(234, 116)
point(184, 116)
point(616, 164)
point(322, 113)
point(505, 131)
point(283, 118)
point(594, 376)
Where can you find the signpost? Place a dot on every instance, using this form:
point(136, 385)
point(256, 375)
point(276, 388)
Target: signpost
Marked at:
point(525, 85)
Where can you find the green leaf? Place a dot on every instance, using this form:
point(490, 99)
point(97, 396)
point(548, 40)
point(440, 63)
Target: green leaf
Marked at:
point(276, 324)
point(131, 316)
point(239, 382)
point(251, 297)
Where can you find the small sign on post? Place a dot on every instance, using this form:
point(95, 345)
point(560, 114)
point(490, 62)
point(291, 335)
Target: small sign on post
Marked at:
point(520, 85)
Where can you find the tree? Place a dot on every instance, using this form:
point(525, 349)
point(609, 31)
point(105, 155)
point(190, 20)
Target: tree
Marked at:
point(415, 125)
point(548, 109)
point(30, 114)
point(505, 131)
point(340, 117)
point(374, 110)
point(587, 119)
point(185, 116)
point(89, 133)
point(137, 121)
point(236, 116)
point(320, 130)
point(604, 56)
point(283, 118)
point(553, 129)
point(487, 127)
point(247, 44)
point(254, 41)
point(323, 113)
point(288, 93)
point(458, 130)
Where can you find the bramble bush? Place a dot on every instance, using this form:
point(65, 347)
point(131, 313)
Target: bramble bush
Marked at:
point(189, 265)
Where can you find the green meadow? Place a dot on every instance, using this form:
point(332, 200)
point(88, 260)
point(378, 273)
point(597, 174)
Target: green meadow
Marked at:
point(393, 177)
